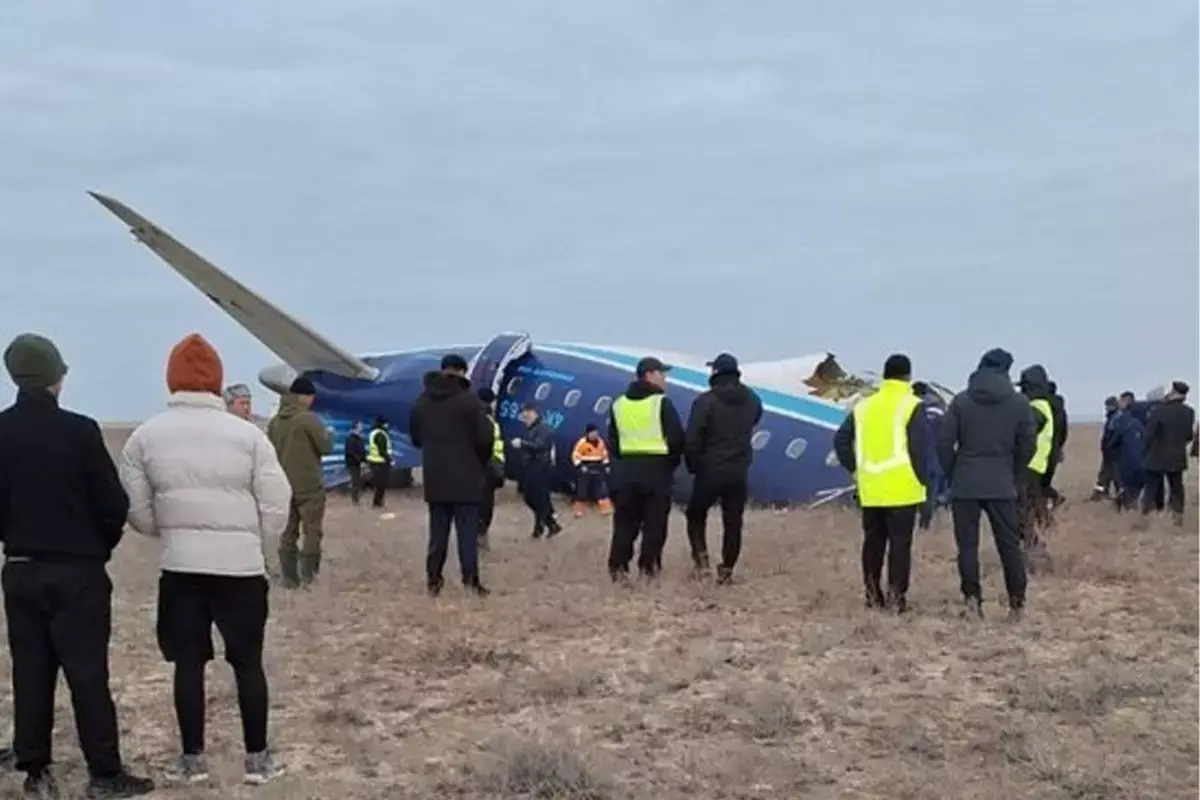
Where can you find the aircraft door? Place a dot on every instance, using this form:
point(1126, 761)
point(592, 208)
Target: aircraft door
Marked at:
point(487, 367)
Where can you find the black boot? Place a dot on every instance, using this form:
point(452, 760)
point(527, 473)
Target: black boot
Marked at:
point(724, 575)
point(120, 785)
point(434, 586)
point(1016, 609)
point(308, 567)
point(538, 530)
point(874, 597)
point(40, 786)
point(288, 560)
point(552, 527)
point(475, 587)
point(897, 602)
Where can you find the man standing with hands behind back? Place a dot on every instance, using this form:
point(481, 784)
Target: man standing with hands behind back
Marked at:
point(300, 440)
point(62, 512)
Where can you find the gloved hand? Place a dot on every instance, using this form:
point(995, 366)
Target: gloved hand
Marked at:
point(516, 442)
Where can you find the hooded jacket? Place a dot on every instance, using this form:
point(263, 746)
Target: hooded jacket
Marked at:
point(1169, 431)
point(720, 424)
point(648, 468)
point(1035, 385)
point(208, 483)
point(987, 437)
point(300, 440)
point(450, 425)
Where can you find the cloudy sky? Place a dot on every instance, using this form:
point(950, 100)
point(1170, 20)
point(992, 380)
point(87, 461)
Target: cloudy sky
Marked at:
point(773, 178)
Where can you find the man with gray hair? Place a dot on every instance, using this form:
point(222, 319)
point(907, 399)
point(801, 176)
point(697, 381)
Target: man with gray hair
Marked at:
point(237, 400)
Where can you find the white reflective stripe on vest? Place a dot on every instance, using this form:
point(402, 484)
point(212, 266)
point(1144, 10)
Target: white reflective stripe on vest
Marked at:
point(899, 457)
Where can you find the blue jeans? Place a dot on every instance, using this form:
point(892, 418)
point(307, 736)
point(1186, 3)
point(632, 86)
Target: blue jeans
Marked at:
point(465, 519)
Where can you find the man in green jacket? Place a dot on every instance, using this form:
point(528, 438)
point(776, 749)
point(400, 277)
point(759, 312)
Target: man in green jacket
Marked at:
point(300, 440)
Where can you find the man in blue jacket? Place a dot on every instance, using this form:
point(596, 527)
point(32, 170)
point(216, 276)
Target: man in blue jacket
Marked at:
point(537, 467)
point(1124, 433)
point(934, 412)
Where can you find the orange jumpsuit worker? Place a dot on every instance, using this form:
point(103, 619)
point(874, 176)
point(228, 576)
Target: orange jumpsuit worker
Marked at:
point(590, 459)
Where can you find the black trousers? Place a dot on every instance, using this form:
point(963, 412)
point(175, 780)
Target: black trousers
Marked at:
point(1152, 492)
point(535, 491)
point(1034, 508)
point(887, 532)
point(60, 615)
point(1107, 476)
point(464, 518)
point(356, 481)
point(487, 511)
point(639, 508)
point(731, 494)
point(1003, 517)
point(381, 474)
point(188, 607)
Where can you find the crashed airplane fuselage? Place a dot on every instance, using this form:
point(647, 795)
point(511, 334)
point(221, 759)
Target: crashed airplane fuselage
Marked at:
point(804, 399)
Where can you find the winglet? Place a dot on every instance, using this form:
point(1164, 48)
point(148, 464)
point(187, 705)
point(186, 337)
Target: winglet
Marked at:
point(295, 343)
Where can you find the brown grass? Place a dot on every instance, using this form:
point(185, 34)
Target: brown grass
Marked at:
point(563, 686)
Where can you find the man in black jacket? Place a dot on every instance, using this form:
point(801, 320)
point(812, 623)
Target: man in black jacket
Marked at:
point(986, 441)
point(1058, 405)
point(647, 439)
point(717, 452)
point(450, 425)
point(354, 450)
point(535, 449)
point(62, 512)
point(1169, 431)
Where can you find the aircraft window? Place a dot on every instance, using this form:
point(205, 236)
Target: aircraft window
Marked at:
point(602, 405)
point(572, 398)
point(796, 448)
point(542, 391)
point(831, 460)
point(514, 386)
point(759, 440)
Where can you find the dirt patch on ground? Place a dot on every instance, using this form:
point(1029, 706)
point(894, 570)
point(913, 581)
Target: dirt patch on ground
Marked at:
point(563, 686)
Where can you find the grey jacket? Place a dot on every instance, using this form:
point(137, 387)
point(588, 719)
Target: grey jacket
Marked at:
point(987, 438)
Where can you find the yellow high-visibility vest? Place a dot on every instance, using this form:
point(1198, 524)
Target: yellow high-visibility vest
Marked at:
point(884, 471)
point(497, 441)
point(639, 426)
point(1045, 440)
point(374, 454)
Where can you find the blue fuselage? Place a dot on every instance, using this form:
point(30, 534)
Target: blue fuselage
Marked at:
point(574, 385)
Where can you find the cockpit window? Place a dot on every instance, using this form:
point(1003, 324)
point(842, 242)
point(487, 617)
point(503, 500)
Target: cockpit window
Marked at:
point(796, 448)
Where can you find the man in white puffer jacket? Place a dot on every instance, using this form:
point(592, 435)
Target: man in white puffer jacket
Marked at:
point(210, 486)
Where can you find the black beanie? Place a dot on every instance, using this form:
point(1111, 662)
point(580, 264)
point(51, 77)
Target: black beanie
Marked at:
point(997, 358)
point(302, 386)
point(33, 362)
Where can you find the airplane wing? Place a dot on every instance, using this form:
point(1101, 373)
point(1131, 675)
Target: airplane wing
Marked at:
point(300, 347)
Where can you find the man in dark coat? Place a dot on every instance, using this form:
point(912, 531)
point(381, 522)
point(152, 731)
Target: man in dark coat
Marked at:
point(1106, 477)
point(643, 480)
point(62, 513)
point(717, 452)
point(1058, 405)
point(1123, 435)
point(354, 452)
point(1169, 431)
point(450, 425)
point(986, 441)
point(1034, 505)
point(934, 410)
point(535, 449)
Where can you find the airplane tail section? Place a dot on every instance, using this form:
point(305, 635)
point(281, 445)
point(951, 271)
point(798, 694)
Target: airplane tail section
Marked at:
point(292, 341)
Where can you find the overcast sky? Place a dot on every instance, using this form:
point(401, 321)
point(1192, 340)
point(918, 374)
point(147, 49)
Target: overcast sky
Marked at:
point(772, 177)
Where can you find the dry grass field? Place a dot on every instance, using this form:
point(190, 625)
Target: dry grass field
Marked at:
point(782, 686)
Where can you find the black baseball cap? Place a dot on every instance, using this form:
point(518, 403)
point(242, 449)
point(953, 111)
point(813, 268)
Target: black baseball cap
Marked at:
point(723, 364)
point(651, 364)
point(454, 361)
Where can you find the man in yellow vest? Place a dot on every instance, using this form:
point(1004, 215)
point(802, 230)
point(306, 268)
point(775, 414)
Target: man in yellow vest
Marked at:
point(487, 510)
point(1033, 499)
point(885, 443)
point(647, 440)
point(379, 460)
point(986, 440)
